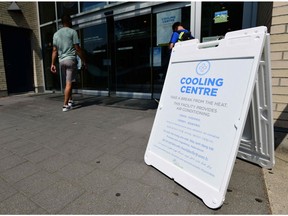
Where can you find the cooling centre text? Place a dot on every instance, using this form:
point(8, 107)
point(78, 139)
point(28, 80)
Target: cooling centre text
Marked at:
point(200, 86)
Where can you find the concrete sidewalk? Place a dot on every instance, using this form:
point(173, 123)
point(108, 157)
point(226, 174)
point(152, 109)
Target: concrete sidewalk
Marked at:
point(277, 178)
point(90, 161)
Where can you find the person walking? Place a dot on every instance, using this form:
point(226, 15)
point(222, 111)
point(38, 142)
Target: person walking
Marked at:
point(66, 47)
point(178, 32)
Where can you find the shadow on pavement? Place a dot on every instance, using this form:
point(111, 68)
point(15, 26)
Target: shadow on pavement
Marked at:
point(117, 102)
point(279, 132)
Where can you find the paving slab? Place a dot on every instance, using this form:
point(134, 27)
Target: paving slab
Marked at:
point(91, 161)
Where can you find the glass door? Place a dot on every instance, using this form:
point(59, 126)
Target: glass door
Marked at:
point(132, 55)
point(94, 42)
point(162, 26)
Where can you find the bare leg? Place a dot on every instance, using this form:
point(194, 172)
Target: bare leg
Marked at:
point(72, 86)
point(68, 92)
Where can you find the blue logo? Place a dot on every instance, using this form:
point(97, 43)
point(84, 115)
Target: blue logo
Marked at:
point(203, 67)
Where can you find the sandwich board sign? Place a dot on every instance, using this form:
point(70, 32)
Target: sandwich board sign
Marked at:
point(215, 105)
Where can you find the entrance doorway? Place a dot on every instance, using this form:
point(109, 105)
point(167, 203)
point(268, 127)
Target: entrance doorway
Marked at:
point(132, 55)
point(17, 53)
point(118, 55)
point(94, 42)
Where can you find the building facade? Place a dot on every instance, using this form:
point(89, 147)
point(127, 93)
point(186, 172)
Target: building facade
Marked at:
point(279, 63)
point(21, 67)
point(126, 43)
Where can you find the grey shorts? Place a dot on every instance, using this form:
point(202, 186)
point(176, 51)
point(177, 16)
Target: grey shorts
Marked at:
point(69, 70)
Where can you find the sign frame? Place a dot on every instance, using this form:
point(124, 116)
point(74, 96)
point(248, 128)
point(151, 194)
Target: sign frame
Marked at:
point(257, 143)
point(238, 46)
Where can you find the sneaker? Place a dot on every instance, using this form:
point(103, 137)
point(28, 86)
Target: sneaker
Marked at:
point(71, 103)
point(66, 108)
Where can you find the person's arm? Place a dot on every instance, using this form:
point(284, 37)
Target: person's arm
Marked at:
point(173, 40)
point(54, 57)
point(81, 54)
point(79, 50)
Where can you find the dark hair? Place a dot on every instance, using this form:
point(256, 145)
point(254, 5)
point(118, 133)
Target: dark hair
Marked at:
point(175, 26)
point(66, 19)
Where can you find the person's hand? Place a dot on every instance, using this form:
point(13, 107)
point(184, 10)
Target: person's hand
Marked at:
point(53, 68)
point(84, 67)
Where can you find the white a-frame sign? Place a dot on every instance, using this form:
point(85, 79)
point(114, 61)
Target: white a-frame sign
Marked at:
point(215, 106)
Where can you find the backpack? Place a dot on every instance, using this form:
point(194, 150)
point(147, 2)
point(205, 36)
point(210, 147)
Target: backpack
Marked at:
point(183, 36)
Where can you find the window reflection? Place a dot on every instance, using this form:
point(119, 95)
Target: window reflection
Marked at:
point(86, 6)
point(47, 12)
point(66, 8)
point(133, 70)
point(52, 81)
point(94, 42)
point(218, 18)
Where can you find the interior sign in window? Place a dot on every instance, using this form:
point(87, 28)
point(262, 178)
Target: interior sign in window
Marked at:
point(221, 16)
point(164, 22)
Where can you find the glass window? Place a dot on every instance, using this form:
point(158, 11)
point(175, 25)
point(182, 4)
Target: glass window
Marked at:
point(52, 81)
point(46, 12)
point(162, 31)
point(133, 42)
point(218, 18)
point(67, 8)
point(94, 42)
point(86, 6)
